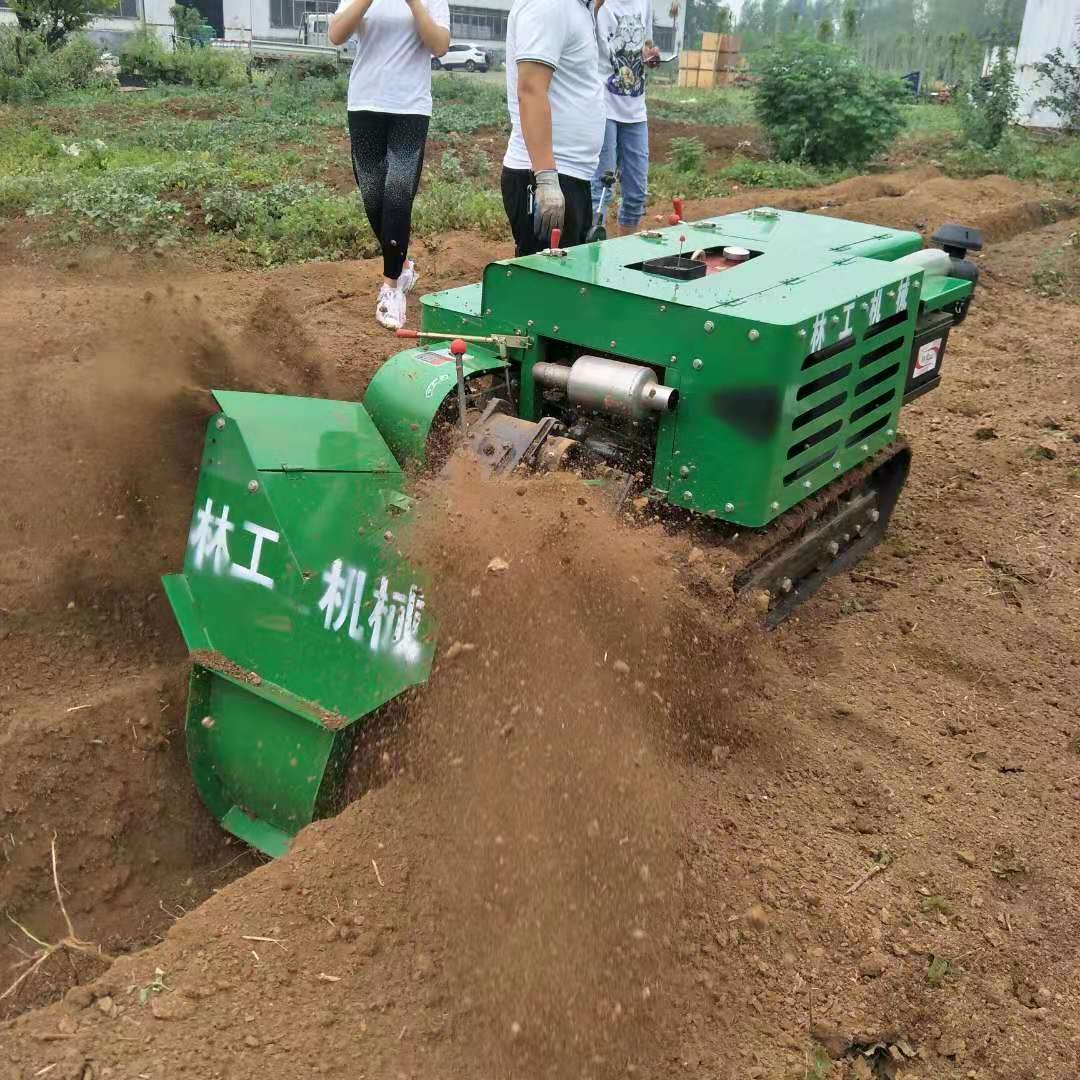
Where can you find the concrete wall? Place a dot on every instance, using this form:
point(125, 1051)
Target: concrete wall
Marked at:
point(1048, 25)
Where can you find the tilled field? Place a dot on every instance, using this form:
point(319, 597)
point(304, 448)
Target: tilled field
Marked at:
point(558, 869)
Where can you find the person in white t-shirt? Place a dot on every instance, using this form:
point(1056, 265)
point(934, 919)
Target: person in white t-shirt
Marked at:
point(556, 104)
point(389, 112)
point(624, 29)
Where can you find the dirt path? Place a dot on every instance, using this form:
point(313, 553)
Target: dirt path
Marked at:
point(920, 715)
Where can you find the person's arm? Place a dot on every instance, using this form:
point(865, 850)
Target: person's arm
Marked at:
point(434, 36)
point(346, 21)
point(533, 82)
point(650, 53)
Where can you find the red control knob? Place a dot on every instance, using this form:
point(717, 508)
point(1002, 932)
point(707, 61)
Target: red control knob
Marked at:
point(556, 236)
point(458, 347)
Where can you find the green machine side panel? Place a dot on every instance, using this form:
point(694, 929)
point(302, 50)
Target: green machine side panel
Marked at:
point(790, 367)
point(406, 392)
point(301, 613)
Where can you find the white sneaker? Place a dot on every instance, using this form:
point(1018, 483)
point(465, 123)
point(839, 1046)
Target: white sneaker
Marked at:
point(409, 276)
point(390, 310)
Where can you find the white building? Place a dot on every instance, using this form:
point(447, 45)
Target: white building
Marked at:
point(1048, 25)
point(483, 22)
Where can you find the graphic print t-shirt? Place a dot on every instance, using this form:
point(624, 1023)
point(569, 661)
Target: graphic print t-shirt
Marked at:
point(623, 27)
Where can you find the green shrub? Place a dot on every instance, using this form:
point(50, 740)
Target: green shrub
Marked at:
point(987, 106)
point(450, 169)
point(143, 55)
point(1062, 77)
point(206, 67)
point(293, 71)
point(29, 71)
point(687, 154)
point(819, 102)
point(188, 22)
point(477, 164)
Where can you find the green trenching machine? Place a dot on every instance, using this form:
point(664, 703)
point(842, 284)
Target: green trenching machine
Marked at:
point(746, 371)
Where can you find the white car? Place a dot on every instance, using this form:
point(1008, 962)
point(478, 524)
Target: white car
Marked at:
point(460, 55)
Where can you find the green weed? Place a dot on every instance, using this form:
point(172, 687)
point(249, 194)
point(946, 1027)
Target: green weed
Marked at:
point(776, 174)
point(687, 155)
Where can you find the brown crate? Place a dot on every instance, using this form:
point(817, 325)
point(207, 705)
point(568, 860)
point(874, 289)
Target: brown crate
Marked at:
point(710, 42)
point(706, 80)
point(729, 43)
point(684, 76)
point(708, 61)
point(689, 60)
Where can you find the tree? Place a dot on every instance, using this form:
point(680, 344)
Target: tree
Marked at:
point(988, 105)
point(187, 21)
point(1063, 77)
point(53, 20)
point(825, 30)
point(850, 20)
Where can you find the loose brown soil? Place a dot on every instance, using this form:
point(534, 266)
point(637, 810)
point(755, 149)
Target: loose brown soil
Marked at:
point(618, 836)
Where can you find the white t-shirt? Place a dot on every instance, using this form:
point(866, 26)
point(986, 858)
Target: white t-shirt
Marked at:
point(562, 35)
point(623, 27)
point(391, 71)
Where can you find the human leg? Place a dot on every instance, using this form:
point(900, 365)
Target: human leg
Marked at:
point(406, 139)
point(516, 187)
point(579, 210)
point(607, 161)
point(367, 136)
point(632, 154)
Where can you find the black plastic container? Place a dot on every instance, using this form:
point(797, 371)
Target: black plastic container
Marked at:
point(679, 267)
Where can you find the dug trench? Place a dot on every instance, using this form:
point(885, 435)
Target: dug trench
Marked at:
point(583, 857)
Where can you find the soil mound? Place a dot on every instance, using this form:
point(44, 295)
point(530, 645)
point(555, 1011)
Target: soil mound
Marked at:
point(504, 903)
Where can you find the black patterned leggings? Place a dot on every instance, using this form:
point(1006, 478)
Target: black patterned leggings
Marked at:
point(387, 157)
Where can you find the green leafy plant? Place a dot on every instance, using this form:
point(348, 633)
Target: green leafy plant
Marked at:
point(450, 169)
point(143, 54)
point(938, 969)
point(987, 106)
point(30, 71)
point(294, 71)
point(819, 103)
point(1062, 75)
point(687, 154)
point(188, 21)
point(775, 174)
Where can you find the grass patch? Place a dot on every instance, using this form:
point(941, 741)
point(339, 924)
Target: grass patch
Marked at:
point(1023, 155)
point(678, 105)
point(927, 117)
